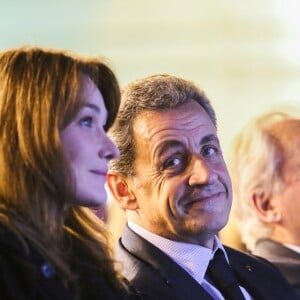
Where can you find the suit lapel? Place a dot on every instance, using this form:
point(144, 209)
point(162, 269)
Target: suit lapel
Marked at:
point(186, 287)
point(245, 271)
point(251, 273)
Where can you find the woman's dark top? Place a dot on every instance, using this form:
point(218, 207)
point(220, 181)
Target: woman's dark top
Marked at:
point(31, 277)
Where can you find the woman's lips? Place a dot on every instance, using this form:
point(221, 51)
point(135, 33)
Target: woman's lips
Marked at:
point(99, 172)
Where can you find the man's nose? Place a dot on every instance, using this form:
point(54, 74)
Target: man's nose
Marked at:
point(201, 172)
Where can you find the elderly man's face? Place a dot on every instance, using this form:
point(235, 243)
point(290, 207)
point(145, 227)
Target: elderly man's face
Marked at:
point(286, 202)
point(181, 185)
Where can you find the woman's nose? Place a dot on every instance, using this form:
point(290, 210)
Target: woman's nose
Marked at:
point(108, 149)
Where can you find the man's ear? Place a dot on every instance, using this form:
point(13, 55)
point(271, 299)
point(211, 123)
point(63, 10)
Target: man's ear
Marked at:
point(265, 206)
point(120, 190)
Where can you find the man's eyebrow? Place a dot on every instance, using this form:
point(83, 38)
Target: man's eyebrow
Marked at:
point(166, 145)
point(209, 138)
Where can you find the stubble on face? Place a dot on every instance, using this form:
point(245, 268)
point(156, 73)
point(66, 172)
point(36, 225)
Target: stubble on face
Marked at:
point(168, 205)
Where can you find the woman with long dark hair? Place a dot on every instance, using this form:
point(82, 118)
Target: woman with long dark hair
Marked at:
point(55, 109)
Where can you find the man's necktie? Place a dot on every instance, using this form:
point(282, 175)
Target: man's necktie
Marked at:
point(223, 278)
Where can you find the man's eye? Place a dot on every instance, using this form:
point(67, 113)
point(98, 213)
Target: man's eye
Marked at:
point(87, 121)
point(172, 162)
point(209, 151)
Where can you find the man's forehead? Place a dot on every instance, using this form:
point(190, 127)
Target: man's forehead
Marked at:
point(141, 120)
point(191, 107)
point(172, 125)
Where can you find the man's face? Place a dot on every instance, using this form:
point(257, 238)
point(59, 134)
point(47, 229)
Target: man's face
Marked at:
point(181, 183)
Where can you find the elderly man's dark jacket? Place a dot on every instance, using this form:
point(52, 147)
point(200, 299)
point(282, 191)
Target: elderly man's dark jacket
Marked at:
point(285, 259)
point(157, 276)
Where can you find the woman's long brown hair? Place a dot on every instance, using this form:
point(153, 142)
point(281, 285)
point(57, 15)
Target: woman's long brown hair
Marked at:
point(39, 95)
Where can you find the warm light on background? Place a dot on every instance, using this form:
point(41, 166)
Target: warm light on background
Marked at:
point(244, 54)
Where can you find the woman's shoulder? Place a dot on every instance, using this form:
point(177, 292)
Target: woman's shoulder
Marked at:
point(11, 248)
point(17, 275)
point(25, 275)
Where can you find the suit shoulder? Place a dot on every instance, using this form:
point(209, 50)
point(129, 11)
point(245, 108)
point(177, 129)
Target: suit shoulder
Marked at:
point(236, 256)
point(134, 268)
point(256, 271)
point(146, 280)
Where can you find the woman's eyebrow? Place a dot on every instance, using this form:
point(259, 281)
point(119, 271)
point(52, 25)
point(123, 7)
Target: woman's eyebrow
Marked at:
point(94, 107)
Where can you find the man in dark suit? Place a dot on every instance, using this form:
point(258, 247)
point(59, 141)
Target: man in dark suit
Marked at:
point(267, 204)
point(173, 183)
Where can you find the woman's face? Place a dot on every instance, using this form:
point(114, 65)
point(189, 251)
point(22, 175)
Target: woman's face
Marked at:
point(88, 147)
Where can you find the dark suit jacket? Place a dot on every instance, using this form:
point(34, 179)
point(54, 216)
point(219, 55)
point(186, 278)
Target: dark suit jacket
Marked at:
point(287, 260)
point(157, 276)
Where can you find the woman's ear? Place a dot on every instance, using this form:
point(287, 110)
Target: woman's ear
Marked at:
point(265, 206)
point(120, 190)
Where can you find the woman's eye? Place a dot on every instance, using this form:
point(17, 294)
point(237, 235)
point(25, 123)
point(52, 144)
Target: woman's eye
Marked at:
point(87, 122)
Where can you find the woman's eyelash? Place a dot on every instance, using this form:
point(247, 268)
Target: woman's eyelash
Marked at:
point(86, 121)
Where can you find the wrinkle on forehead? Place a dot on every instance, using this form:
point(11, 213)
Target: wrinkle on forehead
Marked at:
point(176, 119)
point(187, 126)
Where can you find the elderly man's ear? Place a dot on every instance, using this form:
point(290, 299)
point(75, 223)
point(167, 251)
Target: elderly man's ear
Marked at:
point(266, 207)
point(121, 191)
